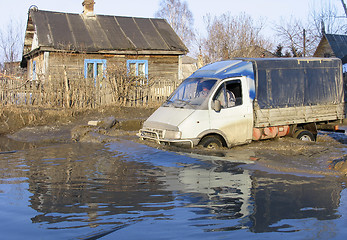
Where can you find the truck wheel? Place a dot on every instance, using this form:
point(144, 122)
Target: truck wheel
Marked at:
point(211, 142)
point(304, 135)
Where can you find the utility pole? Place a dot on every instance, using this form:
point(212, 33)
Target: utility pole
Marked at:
point(304, 43)
point(344, 6)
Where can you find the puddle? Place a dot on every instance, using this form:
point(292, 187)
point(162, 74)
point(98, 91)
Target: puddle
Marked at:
point(126, 190)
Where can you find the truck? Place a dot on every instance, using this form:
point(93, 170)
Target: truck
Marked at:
point(234, 102)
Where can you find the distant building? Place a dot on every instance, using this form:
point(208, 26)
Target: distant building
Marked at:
point(333, 45)
point(253, 52)
point(188, 65)
point(12, 68)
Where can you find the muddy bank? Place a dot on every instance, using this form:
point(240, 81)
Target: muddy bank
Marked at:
point(327, 156)
point(13, 119)
point(22, 128)
point(29, 128)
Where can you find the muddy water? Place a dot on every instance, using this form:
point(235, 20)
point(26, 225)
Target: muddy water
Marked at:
point(125, 190)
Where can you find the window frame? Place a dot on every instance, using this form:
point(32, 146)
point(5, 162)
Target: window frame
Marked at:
point(95, 66)
point(223, 89)
point(137, 62)
point(34, 70)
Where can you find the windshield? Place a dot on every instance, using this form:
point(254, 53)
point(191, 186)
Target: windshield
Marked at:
point(191, 93)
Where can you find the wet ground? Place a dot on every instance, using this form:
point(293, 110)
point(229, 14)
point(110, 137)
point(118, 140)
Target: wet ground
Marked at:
point(73, 181)
point(117, 187)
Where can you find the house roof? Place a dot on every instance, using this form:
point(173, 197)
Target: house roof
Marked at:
point(51, 31)
point(252, 51)
point(338, 44)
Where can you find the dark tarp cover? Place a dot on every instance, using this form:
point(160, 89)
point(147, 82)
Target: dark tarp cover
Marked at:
point(289, 82)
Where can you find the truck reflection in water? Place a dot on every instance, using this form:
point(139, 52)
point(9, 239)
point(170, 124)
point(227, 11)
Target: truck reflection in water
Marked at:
point(278, 197)
point(256, 199)
point(223, 190)
point(80, 186)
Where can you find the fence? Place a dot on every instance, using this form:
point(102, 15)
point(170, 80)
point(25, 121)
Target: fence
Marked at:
point(80, 92)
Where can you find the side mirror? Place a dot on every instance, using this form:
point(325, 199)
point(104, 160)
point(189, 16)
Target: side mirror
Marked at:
point(217, 106)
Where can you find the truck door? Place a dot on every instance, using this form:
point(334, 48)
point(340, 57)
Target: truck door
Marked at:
point(235, 119)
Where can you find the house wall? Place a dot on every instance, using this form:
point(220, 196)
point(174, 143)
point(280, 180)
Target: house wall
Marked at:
point(62, 76)
point(324, 50)
point(50, 65)
point(38, 60)
point(160, 67)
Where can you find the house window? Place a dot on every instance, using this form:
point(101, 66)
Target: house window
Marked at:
point(94, 68)
point(137, 68)
point(34, 70)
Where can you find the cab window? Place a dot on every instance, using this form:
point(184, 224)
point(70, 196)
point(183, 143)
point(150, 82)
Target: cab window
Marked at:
point(229, 94)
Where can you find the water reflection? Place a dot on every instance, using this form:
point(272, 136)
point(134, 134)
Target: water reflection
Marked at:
point(257, 200)
point(85, 188)
point(278, 197)
point(90, 187)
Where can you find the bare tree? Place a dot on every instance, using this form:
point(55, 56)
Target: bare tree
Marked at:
point(298, 38)
point(179, 17)
point(128, 89)
point(325, 17)
point(231, 36)
point(11, 41)
point(301, 36)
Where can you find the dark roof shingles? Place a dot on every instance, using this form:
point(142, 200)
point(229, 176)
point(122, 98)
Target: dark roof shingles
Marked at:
point(92, 34)
point(338, 44)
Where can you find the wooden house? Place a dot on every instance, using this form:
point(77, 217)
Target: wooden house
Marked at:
point(71, 46)
point(332, 45)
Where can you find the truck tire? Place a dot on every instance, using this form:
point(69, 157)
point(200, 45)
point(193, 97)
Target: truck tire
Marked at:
point(304, 135)
point(211, 142)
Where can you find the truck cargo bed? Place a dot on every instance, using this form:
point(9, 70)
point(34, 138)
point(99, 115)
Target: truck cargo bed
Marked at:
point(297, 115)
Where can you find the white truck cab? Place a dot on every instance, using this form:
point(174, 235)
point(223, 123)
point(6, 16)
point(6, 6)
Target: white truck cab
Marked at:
point(212, 107)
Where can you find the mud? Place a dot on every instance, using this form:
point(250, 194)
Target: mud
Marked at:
point(13, 119)
point(30, 128)
point(327, 156)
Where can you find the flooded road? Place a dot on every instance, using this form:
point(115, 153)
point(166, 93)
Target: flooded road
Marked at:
point(126, 190)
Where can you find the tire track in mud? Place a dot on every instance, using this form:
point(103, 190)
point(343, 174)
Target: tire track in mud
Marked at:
point(327, 156)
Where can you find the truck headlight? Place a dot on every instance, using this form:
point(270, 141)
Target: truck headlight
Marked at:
point(172, 134)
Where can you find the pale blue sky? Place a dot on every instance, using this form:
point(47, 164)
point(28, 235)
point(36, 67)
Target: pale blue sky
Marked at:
point(271, 10)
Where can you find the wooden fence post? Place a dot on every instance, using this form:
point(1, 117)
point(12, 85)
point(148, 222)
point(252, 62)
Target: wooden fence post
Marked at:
point(67, 89)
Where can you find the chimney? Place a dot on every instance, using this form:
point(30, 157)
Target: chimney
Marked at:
point(88, 7)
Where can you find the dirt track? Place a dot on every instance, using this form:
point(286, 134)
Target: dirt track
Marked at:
point(27, 128)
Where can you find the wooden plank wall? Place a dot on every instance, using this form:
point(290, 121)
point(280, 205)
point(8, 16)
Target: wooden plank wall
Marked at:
point(64, 84)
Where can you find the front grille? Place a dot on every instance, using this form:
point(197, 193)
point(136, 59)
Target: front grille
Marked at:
point(152, 133)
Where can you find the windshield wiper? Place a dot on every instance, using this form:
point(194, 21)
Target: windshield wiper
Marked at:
point(185, 102)
point(167, 103)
